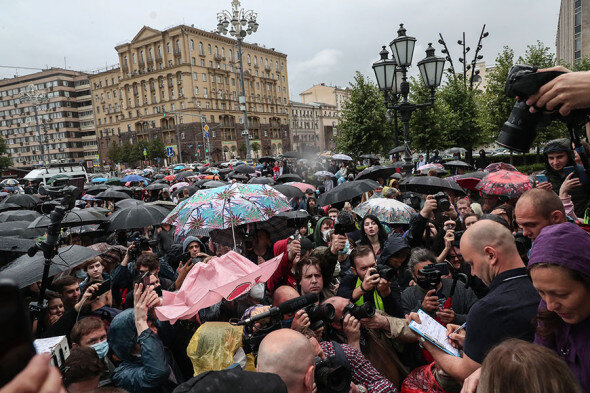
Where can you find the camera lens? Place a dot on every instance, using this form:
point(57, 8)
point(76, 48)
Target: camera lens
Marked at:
point(519, 131)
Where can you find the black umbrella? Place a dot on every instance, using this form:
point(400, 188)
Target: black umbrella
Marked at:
point(288, 177)
point(126, 190)
point(72, 218)
point(211, 169)
point(288, 191)
point(8, 206)
point(262, 180)
point(94, 228)
point(457, 164)
point(185, 174)
point(370, 157)
point(24, 200)
point(128, 203)
point(113, 195)
point(199, 183)
point(15, 244)
point(27, 270)
point(214, 184)
point(399, 149)
point(159, 176)
point(244, 169)
point(96, 209)
point(294, 214)
point(139, 216)
point(276, 227)
point(191, 190)
point(20, 229)
point(429, 185)
point(19, 215)
point(292, 154)
point(238, 176)
point(347, 191)
point(157, 186)
point(165, 204)
point(267, 159)
point(472, 175)
point(375, 172)
point(224, 171)
point(93, 190)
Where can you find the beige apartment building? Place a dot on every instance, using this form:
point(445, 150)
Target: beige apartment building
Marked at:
point(573, 38)
point(330, 100)
point(173, 84)
point(65, 132)
point(305, 126)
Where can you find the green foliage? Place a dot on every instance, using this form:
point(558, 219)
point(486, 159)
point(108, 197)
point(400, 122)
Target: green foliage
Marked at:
point(426, 133)
point(363, 125)
point(156, 149)
point(255, 146)
point(538, 55)
point(5, 160)
point(115, 153)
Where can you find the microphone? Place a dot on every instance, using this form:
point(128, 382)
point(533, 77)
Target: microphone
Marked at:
point(287, 307)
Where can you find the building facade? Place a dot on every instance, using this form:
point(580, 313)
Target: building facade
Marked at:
point(573, 38)
point(175, 84)
point(305, 126)
point(62, 129)
point(331, 100)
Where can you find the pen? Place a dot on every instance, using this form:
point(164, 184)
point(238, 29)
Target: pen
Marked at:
point(457, 330)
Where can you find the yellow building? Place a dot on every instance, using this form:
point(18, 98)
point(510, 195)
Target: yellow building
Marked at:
point(66, 124)
point(192, 76)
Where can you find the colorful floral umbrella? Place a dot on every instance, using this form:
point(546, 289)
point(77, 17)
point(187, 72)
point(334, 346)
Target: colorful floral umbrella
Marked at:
point(390, 211)
point(225, 207)
point(511, 184)
point(10, 182)
point(498, 166)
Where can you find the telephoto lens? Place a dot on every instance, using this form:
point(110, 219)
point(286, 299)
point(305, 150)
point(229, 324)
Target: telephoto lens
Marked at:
point(367, 310)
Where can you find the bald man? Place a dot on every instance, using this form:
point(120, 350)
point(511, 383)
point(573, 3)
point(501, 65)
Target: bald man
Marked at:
point(290, 355)
point(506, 311)
point(536, 209)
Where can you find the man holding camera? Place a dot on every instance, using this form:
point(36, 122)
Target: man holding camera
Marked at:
point(371, 283)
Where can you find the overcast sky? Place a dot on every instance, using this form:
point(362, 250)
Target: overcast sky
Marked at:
point(325, 40)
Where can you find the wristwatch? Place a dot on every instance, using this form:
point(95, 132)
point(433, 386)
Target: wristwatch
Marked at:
point(421, 342)
point(361, 389)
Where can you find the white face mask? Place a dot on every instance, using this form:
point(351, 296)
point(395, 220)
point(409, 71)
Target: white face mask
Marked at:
point(325, 234)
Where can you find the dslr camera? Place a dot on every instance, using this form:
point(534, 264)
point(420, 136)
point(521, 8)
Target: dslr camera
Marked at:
point(141, 243)
point(384, 272)
point(320, 315)
point(331, 376)
point(520, 130)
point(367, 310)
point(442, 202)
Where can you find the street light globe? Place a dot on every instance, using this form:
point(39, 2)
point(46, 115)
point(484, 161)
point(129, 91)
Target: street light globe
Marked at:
point(431, 68)
point(384, 69)
point(402, 47)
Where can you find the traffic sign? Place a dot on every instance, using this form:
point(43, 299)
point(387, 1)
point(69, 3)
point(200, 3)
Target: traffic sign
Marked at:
point(207, 135)
point(169, 151)
point(206, 127)
point(144, 152)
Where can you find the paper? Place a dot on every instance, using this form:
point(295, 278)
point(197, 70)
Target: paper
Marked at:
point(433, 332)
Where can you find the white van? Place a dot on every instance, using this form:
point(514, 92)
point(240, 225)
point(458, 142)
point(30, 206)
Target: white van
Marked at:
point(76, 173)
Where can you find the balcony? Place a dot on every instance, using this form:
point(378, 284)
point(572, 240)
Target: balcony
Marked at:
point(141, 63)
point(177, 53)
point(218, 58)
point(125, 67)
point(158, 57)
point(150, 60)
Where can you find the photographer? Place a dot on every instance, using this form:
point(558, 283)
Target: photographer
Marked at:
point(366, 284)
point(438, 301)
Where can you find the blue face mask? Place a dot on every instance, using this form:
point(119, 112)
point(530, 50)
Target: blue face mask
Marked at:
point(81, 274)
point(286, 323)
point(346, 248)
point(101, 348)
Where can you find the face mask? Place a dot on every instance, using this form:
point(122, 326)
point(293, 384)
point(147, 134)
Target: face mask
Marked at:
point(81, 274)
point(346, 248)
point(325, 234)
point(101, 348)
point(286, 323)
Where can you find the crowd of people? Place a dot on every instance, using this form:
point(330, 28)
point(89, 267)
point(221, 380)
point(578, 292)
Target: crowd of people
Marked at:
point(507, 276)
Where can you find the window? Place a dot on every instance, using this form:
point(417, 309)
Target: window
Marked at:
point(159, 50)
point(133, 57)
point(201, 51)
point(216, 51)
point(210, 64)
point(192, 45)
point(205, 92)
point(178, 45)
point(222, 52)
point(168, 47)
point(255, 61)
point(169, 63)
point(196, 91)
point(218, 79)
point(193, 61)
point(249, 60)
point(209, 48)
point(202, 63)
point(231, 55)
point(204, 77)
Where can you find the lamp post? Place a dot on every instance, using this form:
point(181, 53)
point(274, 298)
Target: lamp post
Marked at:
point(239, 19)
point(36, 97)
point(431, 70)
point(385, 71)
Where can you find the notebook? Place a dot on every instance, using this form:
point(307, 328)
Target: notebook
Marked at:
point(433, 332)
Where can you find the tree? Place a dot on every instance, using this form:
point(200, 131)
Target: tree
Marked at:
point(115, 153)
point(363, 128)
point(156, 149)
point(255, 146)
point(425, 131)
point(5, 160)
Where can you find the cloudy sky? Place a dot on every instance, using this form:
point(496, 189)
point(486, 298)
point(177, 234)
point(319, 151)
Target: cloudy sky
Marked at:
point(325, 40)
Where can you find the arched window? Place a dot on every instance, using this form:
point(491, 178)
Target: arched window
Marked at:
point(201, 51)
point(192, 45)
point(249, 60)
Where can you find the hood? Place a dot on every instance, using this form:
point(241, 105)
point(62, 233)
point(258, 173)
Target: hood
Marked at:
point(556, 145)
point(317, 233)
point(191, 239)
point(565, 245)
point(122, 335)
point(392, 246)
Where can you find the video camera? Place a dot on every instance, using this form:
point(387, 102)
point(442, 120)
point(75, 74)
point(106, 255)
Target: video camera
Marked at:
point(367, 310)
point(139, 244)
point(520, 130)
point(432, 274)
point(331, 376)
point(442, 202)
point(320, 315)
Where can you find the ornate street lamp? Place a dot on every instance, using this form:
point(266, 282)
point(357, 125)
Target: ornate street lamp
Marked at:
point(386, 71)
point(242, 23)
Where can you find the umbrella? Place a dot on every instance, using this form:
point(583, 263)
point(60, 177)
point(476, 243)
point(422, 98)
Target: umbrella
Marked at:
point(370, 157)
point(399, 149)
point(390, 211)
point(429, 185)
point(498, 166)
point(302, 186)
point(112, 195)
point(178, 185)
point(89, 197)
point(238, 176)
point(191, 190)
point(277, 228)
point(93, 190)
point(341, 157)
point(375, 172)
point(214, 184)
point(19, 215)
point(165, 204)
point(468, 181)
point(455, 150)
point(427, 167)
point(288, 191)
point(510, 184)
point(8, 206)
point(132, 178)
point(15, 244)
point(157, 186)
point(170, 178)
point(59, 176)
point(347, 191)
point(99, 180)
point(96, 209)
point(267, 159)
point(288, 177)
point(323, 174)
point(294, 214)
point(128, 203)
point(20, 229)
point(226, 277)
point(72, 218)
point(10, 182)
point(244, 169)
point(458, 164)
point(159, 176)
point(23, 200)
point(185, 174)
point(262, 180)
point(138, 216)
point(95, 229)
point(227, 206)
point(292, 154)
point(27, 270)
point(114, 180)
point(178, 167)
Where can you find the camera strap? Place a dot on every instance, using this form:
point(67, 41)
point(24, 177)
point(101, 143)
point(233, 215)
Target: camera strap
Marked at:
point(341, 357)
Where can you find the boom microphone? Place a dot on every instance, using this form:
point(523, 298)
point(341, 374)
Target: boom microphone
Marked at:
point(288, 307)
